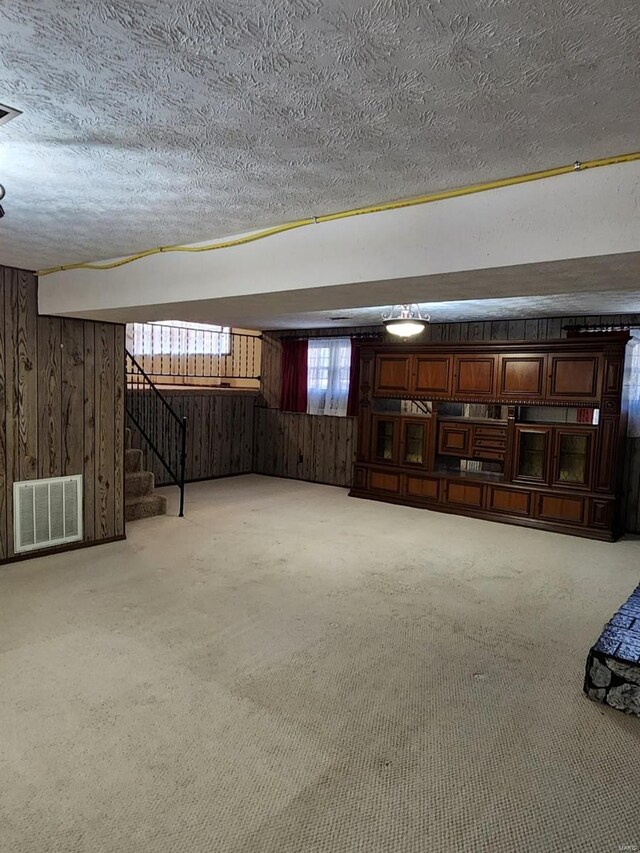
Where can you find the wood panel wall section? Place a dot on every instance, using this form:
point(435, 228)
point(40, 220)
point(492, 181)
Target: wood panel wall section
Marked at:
point(61, 408)
point(281, 438)
point(220, 433)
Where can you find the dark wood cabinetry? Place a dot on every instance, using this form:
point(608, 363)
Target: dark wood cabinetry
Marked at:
point(432, 375)
point(474, 376)
point(574, 377)
point(521, 376)
point(454, 439)
point(413, 441)
point(527, 432)
point(393, 374)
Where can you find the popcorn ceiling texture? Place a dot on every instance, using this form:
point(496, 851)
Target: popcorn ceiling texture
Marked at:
point(162, 122)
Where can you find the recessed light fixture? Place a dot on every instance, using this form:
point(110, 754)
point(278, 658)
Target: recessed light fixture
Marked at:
point(7, 113)
point(406, 321)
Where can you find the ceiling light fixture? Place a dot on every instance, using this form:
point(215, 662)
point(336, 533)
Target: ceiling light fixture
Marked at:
point(406, 322)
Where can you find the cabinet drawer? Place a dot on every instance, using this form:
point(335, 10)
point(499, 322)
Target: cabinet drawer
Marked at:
point(423, 487)
point(566, 510)
point(497, 443)
point(384, 481)
point(490, 432)
point(510, 501)
point(483, 453)
point(465, 494)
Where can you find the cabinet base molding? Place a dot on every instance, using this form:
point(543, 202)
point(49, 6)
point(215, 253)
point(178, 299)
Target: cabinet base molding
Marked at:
point(502, 518)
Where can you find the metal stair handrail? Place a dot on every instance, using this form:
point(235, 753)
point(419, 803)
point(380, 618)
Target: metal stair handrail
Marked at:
point(164, 430)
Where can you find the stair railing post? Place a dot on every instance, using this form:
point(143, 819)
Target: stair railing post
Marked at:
point(183, 461)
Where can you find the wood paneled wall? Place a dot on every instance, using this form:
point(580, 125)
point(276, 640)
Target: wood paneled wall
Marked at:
point(307, 447)
point(61, 407)
point(320, 449)
point(220, 427)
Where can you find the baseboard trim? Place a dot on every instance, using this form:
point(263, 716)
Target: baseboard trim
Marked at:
point(51, 552)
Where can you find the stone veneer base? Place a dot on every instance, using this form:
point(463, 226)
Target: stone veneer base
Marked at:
point(613, 665)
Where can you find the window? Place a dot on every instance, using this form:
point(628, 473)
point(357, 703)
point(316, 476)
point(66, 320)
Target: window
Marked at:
point(328, 366)
point(175, 337)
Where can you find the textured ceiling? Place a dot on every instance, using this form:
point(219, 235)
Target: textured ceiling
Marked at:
point(164, 121)
point(559, 305)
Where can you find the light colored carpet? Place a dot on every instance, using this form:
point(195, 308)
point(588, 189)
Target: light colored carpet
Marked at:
point(289, 670)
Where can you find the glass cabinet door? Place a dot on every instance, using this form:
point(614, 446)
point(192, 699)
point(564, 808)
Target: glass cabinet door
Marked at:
point(531, 454)
point(572, 456)
point(384, 439)
point(413, 443)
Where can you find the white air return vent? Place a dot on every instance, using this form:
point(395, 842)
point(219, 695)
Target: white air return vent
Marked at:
point(47, 512)
point(7, 113)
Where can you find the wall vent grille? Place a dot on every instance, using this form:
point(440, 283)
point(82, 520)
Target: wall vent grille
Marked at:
point(7, 113)
point(47, 512)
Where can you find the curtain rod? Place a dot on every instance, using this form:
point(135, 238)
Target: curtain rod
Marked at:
point(370, 336)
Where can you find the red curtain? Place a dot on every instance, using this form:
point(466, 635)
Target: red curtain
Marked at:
point(354, 379)
point(293, 391)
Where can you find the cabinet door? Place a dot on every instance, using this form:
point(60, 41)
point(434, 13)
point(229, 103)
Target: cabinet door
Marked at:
point(474, 376)
point(393, 374)
point(385, 481)
point(574, 377)
point(572, 454)
point(433, 375)
point(561, 508)
point(413, 445)
point(427, 488)
point(509, 501)
point(532, 450)
point(521, 377)
point(465, 494)
point(385, 438)
point(454, 439)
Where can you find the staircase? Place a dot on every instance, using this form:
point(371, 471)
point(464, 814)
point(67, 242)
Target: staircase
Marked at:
point(163, 433)
point(140, 498)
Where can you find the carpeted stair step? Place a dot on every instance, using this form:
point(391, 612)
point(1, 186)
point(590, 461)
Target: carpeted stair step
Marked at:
point(145, 506)
point(132, 461)
point(137, 484)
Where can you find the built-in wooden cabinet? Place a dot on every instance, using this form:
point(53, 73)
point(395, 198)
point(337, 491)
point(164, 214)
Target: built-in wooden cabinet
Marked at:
point(386, 436)
point(572, 453)
point(562, 509)
point(424, 488)
point(432, 375)
point(413, 441)
point(522, 377)
point(474, 376)
point(509, 501)
point(393, 373)
point(454, 439)
point(527, 432)
point(574, 377)
point(532, 454)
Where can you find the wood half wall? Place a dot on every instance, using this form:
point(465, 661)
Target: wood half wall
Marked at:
point(61, 408)
point(321, 449)
point(220, 427)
